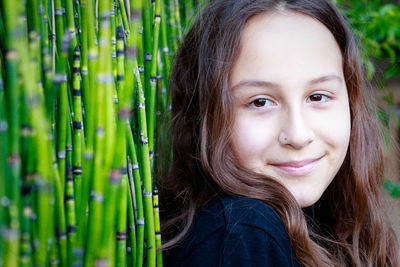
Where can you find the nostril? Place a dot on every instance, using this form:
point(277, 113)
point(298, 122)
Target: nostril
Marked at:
point(296, 136)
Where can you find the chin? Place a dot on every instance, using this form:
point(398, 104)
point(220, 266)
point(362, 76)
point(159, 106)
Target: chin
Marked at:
point(307, 200)
point(307, 194)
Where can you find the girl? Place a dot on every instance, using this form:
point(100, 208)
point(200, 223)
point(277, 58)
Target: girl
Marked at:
point(277, 156)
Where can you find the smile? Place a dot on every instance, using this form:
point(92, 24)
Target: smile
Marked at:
point(297, 168)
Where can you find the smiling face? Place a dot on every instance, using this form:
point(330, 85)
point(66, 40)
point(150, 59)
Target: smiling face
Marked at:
point(292, 115)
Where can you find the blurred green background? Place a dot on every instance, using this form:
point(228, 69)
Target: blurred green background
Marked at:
point(376, 24)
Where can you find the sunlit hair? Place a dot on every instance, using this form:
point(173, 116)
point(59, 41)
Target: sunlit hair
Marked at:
point(203, 165)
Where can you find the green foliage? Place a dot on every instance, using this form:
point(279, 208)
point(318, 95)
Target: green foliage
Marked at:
point(376, 23)
point(392, 188)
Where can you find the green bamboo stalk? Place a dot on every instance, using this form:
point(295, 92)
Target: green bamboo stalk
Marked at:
point(164, 99)
point(11, 11)
point(104, 134)
point(52, 31)
point(141, 55)
point(144, 208)
point(44, 22)
point(164, 40)
point(43, 170)
point(78, 134)
point(47, 76)
point(89, 65)
point(146, 174)
point(61, 228)
point(97, 188)
point(27, 148)
point(69, 209)
point(124, 16)
point(64, 144)
point(134, 182)
point(82, 179)
point(3, 161)
point(78, 20)
point(147, 43)
point(67, 248)
point(151, 91)
point(2, 30)
point(59, 23)
point(84, 59)
point(53, 255)
point(63, 175)
point(29, 177)
point(119, 168)
point(34, 33)
point(109, 103)
point(120, 60)
point(172, 29)
point(44, 191)
point(114, 23)
point(91, 57)
point(70, 27)
point(159, 115)
point(26, 248)
point(110, 208)
point(136, 189)
point(60, 78)
point(136, 22)
point(189, 13)
point(71, 218)
point(157, 228)
point(34, 44)
point(131, 247)
point(27, 193)
point(177, 20)
point(121, 258)
point(34, 226)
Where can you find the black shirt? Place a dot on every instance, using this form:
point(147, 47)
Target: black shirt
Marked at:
point(234, 231)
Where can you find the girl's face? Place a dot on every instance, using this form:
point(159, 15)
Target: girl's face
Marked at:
point(292, 120)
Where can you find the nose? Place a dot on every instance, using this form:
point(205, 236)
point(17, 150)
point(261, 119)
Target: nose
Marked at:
point(296, 132)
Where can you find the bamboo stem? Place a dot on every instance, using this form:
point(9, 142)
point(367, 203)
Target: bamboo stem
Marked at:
point(157, 228)
point(151, 90)
point(136, 191)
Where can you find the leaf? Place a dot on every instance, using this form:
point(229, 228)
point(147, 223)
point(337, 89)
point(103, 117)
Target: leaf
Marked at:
point(392, 188)
point(383, 117)
point(370, 69)
point(393, 70)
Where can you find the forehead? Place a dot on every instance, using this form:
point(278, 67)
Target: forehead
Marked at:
point(276, 44)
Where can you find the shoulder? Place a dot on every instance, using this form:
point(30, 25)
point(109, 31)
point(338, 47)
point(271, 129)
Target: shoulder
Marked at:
point(253, 213)
point(235, 229)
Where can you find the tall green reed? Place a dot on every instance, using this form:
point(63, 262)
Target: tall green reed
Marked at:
point(82, 87)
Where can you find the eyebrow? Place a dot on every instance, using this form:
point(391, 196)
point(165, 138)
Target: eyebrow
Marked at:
point(326, 78)
point(267, 84)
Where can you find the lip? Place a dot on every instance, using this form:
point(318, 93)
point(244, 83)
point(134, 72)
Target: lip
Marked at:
point(297, 168)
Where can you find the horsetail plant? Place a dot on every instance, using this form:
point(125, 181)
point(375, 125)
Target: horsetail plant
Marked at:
point(80, 82)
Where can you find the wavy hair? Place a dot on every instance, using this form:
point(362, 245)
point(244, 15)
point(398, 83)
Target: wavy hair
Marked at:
point(203, 165)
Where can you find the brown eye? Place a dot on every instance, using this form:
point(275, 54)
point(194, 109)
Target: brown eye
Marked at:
point(317, 98)
point(259, 102)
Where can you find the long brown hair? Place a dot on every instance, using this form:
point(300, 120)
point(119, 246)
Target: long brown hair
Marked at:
point(203, 165)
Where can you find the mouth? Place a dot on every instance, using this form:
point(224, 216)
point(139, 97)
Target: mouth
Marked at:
point(297, 168)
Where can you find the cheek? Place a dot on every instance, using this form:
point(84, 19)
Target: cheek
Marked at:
point(251, 139)
point(334, 130)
